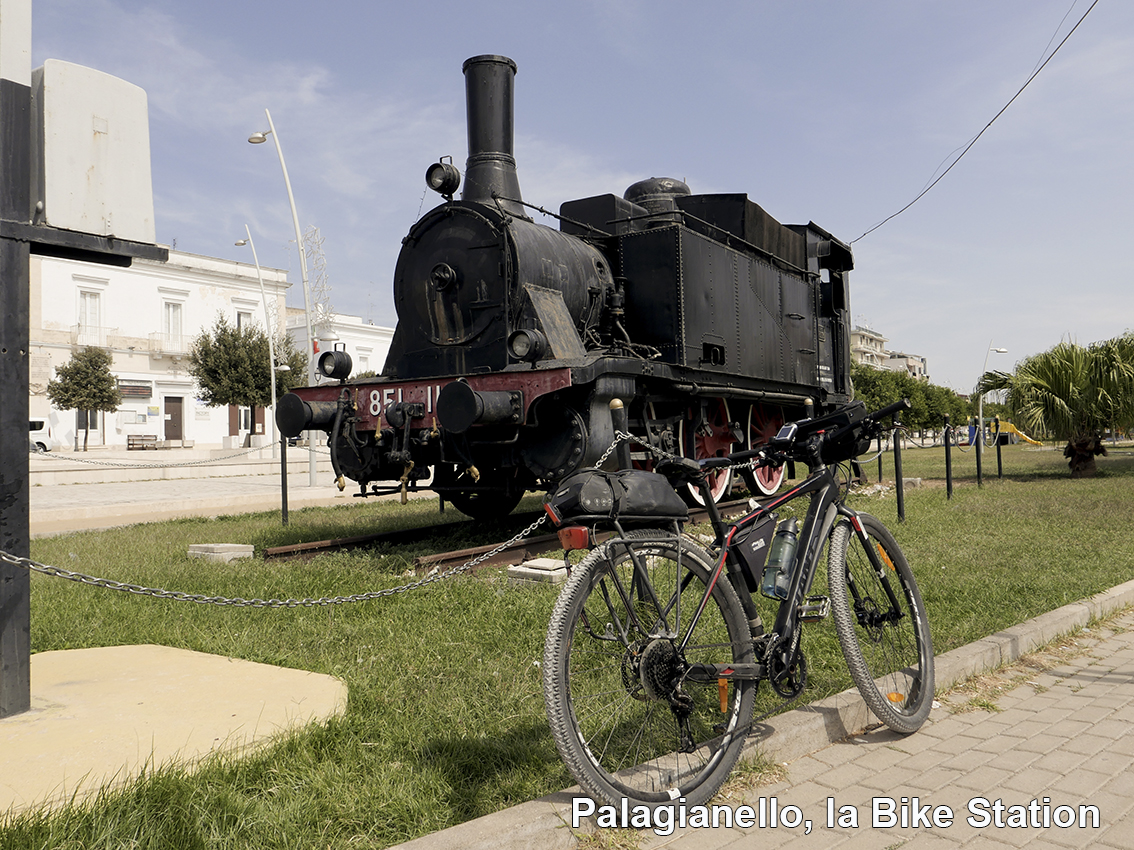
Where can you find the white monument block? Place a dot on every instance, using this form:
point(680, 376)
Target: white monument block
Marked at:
point(94, 152)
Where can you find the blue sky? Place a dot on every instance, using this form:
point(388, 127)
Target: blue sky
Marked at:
point(832, 112)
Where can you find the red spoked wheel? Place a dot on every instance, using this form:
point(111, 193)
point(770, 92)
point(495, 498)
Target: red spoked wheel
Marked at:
point(713, 438)
point(763, 423)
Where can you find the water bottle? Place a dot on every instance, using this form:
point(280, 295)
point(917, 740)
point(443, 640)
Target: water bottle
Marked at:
point(781, 557)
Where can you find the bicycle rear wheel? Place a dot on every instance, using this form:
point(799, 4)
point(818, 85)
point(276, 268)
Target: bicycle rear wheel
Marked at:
point(882, 625)
point(625, 719)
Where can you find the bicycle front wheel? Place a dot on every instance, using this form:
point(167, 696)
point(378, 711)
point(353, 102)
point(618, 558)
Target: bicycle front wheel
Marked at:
point(626, 713)
point(881, 625)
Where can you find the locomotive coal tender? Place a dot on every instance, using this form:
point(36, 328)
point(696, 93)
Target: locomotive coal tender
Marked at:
point(706, 318)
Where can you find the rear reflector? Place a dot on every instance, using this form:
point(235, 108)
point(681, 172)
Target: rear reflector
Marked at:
point(575, 537)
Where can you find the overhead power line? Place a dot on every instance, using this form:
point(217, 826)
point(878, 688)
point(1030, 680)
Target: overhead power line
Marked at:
point(1003, 109)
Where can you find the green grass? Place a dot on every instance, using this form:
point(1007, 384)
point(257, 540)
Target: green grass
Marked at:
point(446, 719)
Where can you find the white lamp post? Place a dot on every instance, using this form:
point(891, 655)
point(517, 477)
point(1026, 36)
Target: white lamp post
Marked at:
point(259, 139)
point(271, 331)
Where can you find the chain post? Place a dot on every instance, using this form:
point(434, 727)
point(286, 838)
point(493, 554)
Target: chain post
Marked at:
point(979, 451)
point(898, 483)
point(948, 459)
point(999, 459)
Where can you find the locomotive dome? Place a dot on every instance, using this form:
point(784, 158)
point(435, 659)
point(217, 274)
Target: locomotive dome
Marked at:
point(657, 194)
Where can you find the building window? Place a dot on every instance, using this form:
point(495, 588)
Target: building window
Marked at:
point(244, 420)
point(243, 320)
point(90, 317)
point(171, 325)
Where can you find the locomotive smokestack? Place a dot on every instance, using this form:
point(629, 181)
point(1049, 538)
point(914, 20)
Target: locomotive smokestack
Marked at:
point(491, 168)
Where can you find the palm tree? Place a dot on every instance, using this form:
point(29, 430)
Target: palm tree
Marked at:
point(1073, 393)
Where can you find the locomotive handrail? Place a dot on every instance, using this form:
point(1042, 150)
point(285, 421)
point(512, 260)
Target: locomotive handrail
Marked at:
point(585, 226)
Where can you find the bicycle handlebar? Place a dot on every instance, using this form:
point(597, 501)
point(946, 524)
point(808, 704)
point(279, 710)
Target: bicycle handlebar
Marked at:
point(890, 409)
point(848, 425)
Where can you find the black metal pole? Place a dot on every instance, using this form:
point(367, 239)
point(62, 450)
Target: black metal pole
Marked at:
point(899, 488)
point(979, 447)
point(283, 480)
point(999, 459)
point(620, 421)
point(948, 459)
point(879, 458)
point(15, 277)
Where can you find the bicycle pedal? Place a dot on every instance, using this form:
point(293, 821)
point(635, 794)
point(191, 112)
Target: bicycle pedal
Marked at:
point(814, 609)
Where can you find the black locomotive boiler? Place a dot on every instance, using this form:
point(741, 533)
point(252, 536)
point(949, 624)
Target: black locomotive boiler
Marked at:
point(709, 320)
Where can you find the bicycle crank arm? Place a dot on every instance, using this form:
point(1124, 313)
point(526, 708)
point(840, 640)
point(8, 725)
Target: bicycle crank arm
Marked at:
point(707, 674)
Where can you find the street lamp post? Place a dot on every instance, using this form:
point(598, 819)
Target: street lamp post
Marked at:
point(268, 325)
point(980, 411)
point(259, 139)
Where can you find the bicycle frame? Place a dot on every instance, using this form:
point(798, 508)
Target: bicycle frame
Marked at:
point(823, 511)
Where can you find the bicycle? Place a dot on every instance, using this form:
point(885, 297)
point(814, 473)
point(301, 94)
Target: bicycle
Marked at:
point(655, 647)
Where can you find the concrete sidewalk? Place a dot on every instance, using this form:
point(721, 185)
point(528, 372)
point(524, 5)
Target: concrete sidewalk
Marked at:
point(78, 507)
point(75, 499)
point(1062, 738)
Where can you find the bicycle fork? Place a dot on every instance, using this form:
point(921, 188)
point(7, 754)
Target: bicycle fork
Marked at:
point(883, 567)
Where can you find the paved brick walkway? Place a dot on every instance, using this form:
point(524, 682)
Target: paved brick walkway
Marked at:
point(1062, 738)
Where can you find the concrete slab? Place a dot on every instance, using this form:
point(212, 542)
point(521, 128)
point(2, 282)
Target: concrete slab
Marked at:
point(100, 715)
point(221, 552)
point(538, 571)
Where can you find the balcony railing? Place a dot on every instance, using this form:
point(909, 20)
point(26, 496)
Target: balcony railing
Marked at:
point(91, 335)
point(172, 344)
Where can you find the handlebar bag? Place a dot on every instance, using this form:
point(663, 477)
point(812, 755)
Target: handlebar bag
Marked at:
point(627, 494)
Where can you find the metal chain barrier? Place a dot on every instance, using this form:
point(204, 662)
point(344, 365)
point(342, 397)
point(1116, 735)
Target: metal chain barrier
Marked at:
point(202, 599)
point(121, 465)
point(237, 602)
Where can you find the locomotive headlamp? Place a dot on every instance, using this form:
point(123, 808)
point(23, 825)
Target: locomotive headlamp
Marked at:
point(443, 178)
point(528, 345)
point(335, 364)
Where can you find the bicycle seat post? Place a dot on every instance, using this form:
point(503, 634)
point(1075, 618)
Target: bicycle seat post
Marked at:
point(715, 518)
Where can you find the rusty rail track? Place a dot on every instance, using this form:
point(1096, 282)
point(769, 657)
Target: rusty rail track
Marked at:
point(517, 553)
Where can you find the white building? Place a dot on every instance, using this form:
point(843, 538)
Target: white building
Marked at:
point(912, 364)
point(868, 347)
point(366, 343)
point(147, 316)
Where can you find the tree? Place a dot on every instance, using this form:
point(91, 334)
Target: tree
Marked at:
point(1072, 392)
point(85, 383)
point(230, 365)
point(929, 403)
point(296, 361)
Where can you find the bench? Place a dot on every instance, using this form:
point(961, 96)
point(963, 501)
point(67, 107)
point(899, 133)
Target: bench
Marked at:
point(140, 442)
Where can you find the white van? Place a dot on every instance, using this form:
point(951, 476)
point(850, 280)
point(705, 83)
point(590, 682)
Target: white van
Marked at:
point(42, 440)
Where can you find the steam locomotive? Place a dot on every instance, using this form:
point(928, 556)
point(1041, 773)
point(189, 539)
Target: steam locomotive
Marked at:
point(706, 318)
